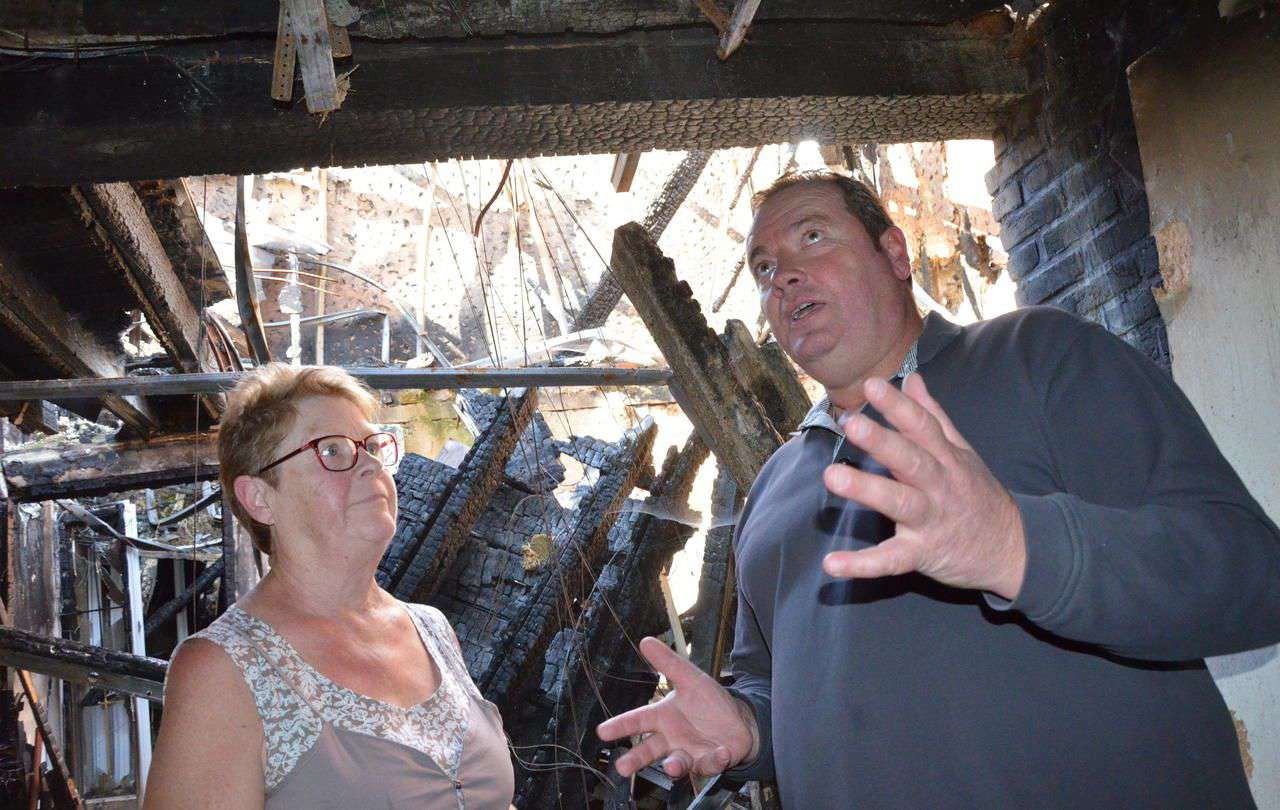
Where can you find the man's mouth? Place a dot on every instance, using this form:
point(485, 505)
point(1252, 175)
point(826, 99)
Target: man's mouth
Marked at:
point(803, 310)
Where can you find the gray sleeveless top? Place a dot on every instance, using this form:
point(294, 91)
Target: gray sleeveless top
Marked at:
point(330, 747)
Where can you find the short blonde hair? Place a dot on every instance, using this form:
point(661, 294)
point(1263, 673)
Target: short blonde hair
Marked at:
point(260, 411)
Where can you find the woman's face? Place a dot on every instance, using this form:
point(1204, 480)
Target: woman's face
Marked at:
point(349, 509)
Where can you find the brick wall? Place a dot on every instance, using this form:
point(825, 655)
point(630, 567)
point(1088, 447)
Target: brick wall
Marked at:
point(1067, 186)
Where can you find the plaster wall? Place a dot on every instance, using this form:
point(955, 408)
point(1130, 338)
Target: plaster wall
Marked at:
point(1207, 113)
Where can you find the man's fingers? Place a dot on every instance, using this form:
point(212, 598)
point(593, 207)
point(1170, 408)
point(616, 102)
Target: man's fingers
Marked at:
point(677, 764)
point(713, 762)
point(650, 749)
point(906, 459)
point(915, 388)
point(890, 558)
point(674, 666)
point(900, 502)
point(643, 720)
point(905, 414)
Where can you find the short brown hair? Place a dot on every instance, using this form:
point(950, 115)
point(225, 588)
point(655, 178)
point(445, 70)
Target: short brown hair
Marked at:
point(260, 411)
point(859, 198)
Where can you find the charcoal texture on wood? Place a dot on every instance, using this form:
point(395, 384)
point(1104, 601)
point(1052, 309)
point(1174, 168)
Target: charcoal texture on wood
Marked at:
point(534, 464)
point(572, 561)
point(82, 663)
point(184, 109)
point(593, 669)
point(422, 558)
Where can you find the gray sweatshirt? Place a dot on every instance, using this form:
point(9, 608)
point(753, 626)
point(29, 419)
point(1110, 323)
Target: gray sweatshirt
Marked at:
point(1145, 554)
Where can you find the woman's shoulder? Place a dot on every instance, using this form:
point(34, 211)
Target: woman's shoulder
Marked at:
point(433, 618)
point(201, 669)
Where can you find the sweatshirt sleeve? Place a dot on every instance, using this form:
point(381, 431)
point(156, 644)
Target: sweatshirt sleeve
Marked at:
point(752, 683)
point(1154, 549)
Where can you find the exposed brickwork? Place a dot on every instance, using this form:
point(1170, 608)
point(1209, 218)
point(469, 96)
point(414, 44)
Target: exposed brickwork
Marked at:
point(1067, 185)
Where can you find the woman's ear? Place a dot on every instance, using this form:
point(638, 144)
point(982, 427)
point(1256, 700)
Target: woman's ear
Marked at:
point(894, 244)
point(254, 494)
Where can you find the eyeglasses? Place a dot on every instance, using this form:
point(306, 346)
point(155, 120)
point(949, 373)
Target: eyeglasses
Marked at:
point(340, 453)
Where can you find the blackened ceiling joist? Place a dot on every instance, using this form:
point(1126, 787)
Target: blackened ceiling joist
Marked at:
point(432, 19)
point(40, 333)
point(203, 107)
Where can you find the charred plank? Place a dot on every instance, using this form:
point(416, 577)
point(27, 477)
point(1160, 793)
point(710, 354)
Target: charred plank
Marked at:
point(79, 470)
point(83, 663)
point(413, 566)
point(725, 413)
point(502, 98)
point(595, 671)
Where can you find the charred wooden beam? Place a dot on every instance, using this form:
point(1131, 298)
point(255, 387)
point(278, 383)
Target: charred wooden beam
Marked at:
point(380, 379)
point(82, 663)
point(30, 312)
point(429, 19)
point(116, 215)
point(188, 106)
point(79, 470)
point(115, 212)
point(608, 292)
point(177, 222)
point(722, 409)
point(768, 374)
point(165, 613)
point(558, 577)
point(421, 554)
point(712, 631)
point(596, 671)
point(246, 287)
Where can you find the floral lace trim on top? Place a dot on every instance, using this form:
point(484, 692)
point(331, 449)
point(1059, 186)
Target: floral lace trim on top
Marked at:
point(294, 700)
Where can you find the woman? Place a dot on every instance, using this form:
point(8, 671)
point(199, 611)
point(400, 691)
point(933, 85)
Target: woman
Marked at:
point(319, 689)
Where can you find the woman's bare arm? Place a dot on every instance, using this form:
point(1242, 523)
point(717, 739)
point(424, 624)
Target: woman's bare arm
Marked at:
point(209, 753)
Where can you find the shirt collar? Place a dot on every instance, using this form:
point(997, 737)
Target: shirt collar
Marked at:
point(936, 334)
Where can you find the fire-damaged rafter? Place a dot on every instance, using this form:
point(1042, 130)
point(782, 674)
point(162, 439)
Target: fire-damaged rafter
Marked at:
point(30, 312)
point(177, 604)
point(421, 553)
point(116, 215)
point(566, 571)
point(83, 663)
point(431, 19)
point(725, 413)
point(184, 108)
point(712, 629)
point(598, 671)
point(79, 470)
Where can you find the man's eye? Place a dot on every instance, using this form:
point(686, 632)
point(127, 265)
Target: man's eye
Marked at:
point(812, 236)
point(761, 269)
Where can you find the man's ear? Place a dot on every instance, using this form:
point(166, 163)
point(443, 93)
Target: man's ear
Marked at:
point(254, 495)
point(894, 244)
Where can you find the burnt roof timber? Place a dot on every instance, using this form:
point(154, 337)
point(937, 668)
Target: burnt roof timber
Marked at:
point(83, 663)
point(83, 470)
point(129, 241)
point(35, 317)
point(202, 107)
point(177, 222)
point(380, 379)
point(126, 20)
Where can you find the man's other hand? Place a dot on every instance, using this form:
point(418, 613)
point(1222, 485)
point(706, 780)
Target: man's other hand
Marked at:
point(955, 522)
point(697, 728)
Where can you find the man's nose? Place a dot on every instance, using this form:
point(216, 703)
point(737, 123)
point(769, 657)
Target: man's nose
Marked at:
point(786, 272)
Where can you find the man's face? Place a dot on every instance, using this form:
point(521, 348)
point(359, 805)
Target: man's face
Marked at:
point(834, 302)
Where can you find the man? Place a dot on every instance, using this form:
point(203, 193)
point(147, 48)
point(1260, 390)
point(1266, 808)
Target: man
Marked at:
point(1036, 544)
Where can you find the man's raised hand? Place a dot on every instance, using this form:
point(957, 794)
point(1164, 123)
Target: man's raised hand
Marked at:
point(955, 522)
point(697, 728)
